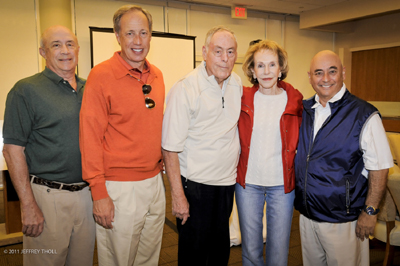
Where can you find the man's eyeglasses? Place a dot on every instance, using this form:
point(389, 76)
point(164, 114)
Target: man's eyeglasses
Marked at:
point(150, 103)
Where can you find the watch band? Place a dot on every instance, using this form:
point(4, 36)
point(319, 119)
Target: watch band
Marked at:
point(370, 210)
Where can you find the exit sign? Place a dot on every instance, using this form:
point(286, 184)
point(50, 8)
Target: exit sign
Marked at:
point(239, 12)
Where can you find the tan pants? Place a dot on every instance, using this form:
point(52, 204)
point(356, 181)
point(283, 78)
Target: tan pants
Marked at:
point(68, 236)
point(138, 224)
point(332, 244)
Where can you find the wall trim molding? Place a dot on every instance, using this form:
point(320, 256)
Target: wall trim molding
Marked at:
point(373, 47)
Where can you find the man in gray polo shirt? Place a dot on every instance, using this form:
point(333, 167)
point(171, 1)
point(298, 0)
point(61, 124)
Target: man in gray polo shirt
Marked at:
point(41, 148)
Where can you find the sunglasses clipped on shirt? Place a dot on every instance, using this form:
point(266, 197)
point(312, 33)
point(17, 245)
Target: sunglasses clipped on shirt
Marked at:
point(150, 103)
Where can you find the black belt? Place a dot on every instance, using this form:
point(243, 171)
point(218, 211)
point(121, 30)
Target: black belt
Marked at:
point(57, 185)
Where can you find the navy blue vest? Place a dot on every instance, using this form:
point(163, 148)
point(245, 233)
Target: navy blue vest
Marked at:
point(329, 183)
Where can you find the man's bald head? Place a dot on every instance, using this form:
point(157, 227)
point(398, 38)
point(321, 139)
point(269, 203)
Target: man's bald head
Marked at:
point(324, 56)
point(59, 46)
point(326, 75)
point(53, 29)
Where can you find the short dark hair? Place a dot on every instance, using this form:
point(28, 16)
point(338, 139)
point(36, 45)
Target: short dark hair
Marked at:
point(254, 42)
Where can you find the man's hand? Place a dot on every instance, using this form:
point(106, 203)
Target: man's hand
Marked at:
point(103, 212)
point(180, 208)
point(365, 225)
point(180, 205)
point(32, 220)
point(31, 215)
point(377, 180)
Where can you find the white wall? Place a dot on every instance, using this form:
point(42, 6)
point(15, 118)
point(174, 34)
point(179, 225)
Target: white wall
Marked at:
point(19, 46)
point(300, 44)
point(20, 58)
point(99, 13)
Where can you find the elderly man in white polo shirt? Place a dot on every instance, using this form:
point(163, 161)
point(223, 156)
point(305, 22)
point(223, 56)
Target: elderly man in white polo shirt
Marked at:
point(201, 149)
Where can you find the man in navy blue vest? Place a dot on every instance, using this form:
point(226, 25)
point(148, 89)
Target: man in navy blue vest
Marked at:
point(341, 166)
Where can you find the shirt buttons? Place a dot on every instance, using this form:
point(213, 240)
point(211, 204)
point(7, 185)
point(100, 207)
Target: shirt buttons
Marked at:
point(64, 82)
point(48, 190)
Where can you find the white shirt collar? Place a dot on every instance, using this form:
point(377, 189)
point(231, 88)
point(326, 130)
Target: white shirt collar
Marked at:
point(335, 98)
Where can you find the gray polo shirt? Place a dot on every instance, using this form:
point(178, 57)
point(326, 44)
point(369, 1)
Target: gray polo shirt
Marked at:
point(42, 115)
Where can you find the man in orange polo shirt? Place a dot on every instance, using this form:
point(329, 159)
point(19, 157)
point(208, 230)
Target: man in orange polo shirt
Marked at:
point(120, 140)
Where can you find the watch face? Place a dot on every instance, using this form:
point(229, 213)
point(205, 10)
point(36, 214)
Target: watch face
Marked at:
point(370, 210)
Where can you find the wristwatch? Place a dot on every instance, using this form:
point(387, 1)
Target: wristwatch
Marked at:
point(370, 210)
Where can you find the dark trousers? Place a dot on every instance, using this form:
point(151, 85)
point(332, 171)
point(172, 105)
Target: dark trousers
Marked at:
point(204, 238)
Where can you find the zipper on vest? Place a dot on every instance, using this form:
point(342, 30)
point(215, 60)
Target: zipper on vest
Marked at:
point(308, 159)
point(306, 176)
point(347, 196)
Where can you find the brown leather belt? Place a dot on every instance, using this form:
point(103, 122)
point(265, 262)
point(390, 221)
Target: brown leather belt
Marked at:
point(57, 185)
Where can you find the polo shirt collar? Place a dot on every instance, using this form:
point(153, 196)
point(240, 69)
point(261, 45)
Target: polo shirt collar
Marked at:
point(50, 74)
point(121, 68)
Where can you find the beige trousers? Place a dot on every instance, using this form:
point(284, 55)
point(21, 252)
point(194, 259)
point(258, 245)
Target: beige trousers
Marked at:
point(332, 244)
point(68, 236)
point(138, 224)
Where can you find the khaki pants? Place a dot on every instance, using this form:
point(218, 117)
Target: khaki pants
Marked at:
point(69, 229)
point(332, 244)
point(138, 223)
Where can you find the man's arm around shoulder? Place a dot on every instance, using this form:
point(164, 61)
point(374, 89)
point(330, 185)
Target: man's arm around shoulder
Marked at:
point(31, 215)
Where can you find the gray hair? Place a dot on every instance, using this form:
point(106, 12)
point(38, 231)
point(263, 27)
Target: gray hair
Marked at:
point(127, 8)
point(214, 30)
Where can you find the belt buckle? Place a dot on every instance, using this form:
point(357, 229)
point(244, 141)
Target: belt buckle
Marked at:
point(47, 183)
point(74, 188)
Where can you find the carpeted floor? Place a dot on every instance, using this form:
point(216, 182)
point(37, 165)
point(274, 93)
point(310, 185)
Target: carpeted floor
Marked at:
point(169, 250)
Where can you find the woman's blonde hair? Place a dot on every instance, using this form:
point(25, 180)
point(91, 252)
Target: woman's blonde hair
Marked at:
point(248, 63)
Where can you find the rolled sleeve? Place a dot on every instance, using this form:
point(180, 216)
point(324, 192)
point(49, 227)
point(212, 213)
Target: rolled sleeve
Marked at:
point(375, 146)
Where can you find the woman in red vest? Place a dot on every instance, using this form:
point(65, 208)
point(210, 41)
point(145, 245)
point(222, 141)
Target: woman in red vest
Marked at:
point(268, 128)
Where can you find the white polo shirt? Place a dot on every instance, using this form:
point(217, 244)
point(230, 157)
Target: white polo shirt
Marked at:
point(200, 123)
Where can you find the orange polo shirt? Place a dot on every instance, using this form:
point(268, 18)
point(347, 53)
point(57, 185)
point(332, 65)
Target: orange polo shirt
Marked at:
point(120, 139)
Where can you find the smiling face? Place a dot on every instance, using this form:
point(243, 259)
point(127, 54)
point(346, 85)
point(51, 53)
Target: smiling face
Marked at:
point(220, 56)
point(60, 49)
point(134, 37)
point(266, 69)
point(326, 75)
